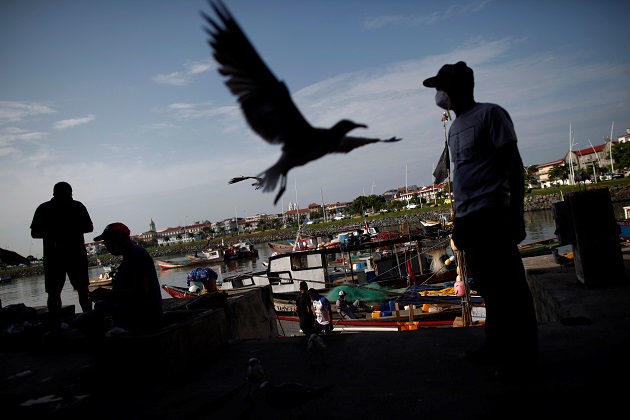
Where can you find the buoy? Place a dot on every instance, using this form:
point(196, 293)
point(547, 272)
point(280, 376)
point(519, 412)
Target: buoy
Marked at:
point(460, 288)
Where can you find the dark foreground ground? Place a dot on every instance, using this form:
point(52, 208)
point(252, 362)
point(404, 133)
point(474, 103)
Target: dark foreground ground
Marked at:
point(583, 372)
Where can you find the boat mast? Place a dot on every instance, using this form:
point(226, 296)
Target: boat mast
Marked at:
point(571, 175)
point(612, 167)
point(321, 190)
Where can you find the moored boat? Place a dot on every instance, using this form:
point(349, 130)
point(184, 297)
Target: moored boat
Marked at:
point(240, 250)
point(104, 279)
point(187, 261)
point(213, 255)
point(537, 248)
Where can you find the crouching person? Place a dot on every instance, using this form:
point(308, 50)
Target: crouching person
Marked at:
point(134, 303)
point(204, 279)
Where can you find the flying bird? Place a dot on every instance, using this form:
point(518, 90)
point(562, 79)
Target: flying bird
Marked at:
point(315, 346)
point(267, 105)
point(290, 395)
point(257, 184)
point(561, 260)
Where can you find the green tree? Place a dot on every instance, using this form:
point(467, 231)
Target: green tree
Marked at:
point(558, 173)
point(530, 178)
point(362, 203)
point(621, 156)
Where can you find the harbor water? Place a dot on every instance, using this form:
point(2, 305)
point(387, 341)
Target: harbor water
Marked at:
point(30, 290)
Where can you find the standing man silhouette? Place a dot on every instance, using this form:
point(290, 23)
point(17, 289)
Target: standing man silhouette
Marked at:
point(61, 223)
point(488, 187)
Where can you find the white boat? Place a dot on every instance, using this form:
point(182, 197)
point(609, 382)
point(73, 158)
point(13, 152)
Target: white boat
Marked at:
point(104, 279)
point(212, 254)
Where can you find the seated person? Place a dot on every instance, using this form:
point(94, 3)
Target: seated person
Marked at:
point(204, 278)
point(350, 311)
point(134, 303)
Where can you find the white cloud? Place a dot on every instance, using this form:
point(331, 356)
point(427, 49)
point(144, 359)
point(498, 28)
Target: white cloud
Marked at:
point(73, 122)
point(179, 78)
point(174, 79)
point(13, 111)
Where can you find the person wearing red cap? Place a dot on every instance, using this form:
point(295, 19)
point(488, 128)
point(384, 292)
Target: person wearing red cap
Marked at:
point(61, 223)
point(488, 188)
point(135, 300)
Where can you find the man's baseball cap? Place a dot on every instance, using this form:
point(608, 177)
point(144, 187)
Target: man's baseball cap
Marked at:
point(449, 73)
point(113, 230)
point(342, 293)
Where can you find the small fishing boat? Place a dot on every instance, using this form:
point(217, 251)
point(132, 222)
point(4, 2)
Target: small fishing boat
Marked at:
point(212, 254)
point(538, 248)
point(240, 250)
point(187, 261)
point(180, 292)
point(104, 279)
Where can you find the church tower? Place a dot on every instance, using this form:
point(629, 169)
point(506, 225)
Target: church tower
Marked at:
point(152, 226)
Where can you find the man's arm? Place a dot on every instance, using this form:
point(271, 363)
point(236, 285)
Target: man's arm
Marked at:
point(511, 157)
point(37, 231)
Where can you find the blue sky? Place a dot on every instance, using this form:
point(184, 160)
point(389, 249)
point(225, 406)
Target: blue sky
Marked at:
point(122, 98)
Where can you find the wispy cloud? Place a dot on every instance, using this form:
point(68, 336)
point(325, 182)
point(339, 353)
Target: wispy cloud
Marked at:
point(184, 78)
point(379, 22)
point(159, 126)
point(185, 111)
point(13, 111)
point(73, 122)
point(10, 134)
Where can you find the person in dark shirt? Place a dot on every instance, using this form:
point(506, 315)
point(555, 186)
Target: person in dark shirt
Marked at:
point(488, 187)
point(61, 223)
point(304, 308)
point(134, 302)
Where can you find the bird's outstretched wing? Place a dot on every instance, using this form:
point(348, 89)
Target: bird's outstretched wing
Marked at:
point(256, 184)
point(265, 100)
point(349, 143)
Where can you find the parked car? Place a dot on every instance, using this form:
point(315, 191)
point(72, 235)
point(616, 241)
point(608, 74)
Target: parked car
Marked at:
point(411, 206)
point(617, 176)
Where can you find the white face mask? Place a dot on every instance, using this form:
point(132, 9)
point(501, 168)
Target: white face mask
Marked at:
point(442, 100)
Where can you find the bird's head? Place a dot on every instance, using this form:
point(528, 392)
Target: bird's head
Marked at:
point(345, 126)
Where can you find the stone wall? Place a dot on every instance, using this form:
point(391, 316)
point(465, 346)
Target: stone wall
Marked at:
point(544, 202)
